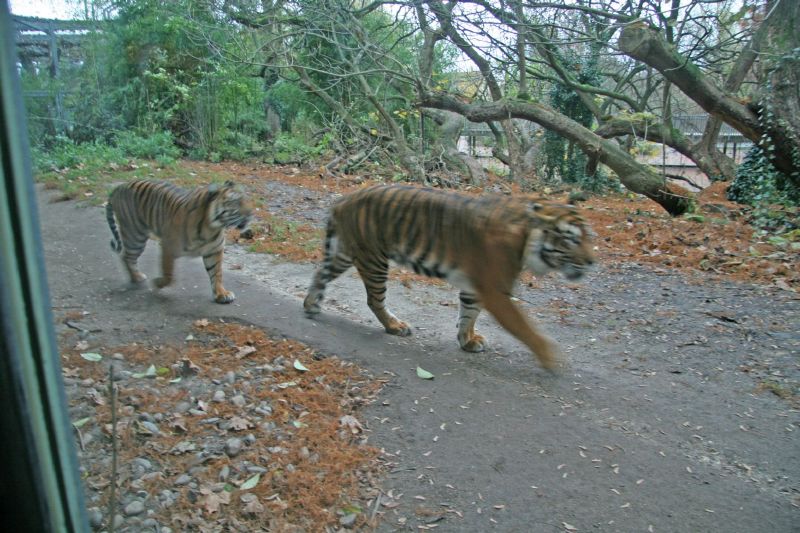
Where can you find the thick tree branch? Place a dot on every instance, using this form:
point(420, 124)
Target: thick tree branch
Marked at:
point(644, 44)
point(634, 175)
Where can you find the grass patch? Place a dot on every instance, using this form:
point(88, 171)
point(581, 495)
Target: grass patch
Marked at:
point(290, 240)
point(784, 392)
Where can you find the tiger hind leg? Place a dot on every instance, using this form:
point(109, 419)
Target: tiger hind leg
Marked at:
point(468, 338)
point(374, 274)
point(336, 262)
point(132, 248)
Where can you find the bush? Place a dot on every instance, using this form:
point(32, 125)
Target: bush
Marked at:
point(65, 153)
point(158, 146)
point(761, 185)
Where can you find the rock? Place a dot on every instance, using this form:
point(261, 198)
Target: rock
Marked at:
point(182, 407)
point(118, 356)
point(250, 439)
point(219, 396)
point(134, 508)
point(224, 472)
point(230, 377)
point(140, 466)
point(183, 479)
point(150, 523)
point(122, 375)
point(118, 521)
point(233, 447)
point(95, 518)
point(151, 427)
point(348, 521)
point(238, 400)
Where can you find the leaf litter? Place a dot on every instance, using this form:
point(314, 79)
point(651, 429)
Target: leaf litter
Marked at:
point(307, 456)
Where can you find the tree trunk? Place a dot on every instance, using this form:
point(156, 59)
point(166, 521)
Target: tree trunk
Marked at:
point(645, 44)
point(450, 127)
point(635, 176)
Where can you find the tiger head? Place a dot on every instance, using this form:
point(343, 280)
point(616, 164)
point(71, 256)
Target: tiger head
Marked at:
point(228, 206)
point(560, 240)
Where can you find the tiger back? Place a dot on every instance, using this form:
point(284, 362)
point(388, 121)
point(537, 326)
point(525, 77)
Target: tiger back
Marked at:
point(186, 222)
point(479, 244)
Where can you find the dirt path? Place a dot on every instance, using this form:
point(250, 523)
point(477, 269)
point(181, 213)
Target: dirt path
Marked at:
point(668, 418)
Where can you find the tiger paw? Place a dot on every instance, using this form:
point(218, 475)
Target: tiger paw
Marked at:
point(399, 328)
point(476, 343)
point(225, 297)
point(138, 277)
point(160, 283)
point(550, 359)
point(311, 305)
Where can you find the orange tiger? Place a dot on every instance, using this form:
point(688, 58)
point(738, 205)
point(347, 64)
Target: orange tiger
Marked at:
point(187, 222)
point(478, 244)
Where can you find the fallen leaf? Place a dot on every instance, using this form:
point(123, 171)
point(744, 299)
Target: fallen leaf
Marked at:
point(352, 423)
point(149, 373)
point(251, 483)
point(299, 366)
point(201, 323)
point(569, 527)
point(244, 351)
point(251, 504)
point(81, 422)
point(424, 374)
point(240, 424)
point(91, 356)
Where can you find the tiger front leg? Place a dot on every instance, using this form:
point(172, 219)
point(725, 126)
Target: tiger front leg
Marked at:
point(374, 274)
point(213, 263)
point(514, 321)
point(167, 267)
point(468, 338)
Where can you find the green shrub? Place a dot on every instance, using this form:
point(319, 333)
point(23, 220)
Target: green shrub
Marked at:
point(158, 146)
point(761, 185)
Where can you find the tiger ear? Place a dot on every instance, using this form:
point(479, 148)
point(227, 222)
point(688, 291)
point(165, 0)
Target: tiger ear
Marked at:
point(538, 210)
point(213, 190)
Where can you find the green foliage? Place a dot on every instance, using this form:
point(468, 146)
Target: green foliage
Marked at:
point(291, 149)
point(760, 185)
point(158, 146)
point(563, 161)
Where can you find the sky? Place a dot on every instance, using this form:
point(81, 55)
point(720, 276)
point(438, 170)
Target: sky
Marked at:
point(52, 9)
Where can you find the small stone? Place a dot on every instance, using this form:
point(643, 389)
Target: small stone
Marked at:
point(140, 466)
point(182, 407)
point(233, 447)
point(219, 396)
point(304, 453)
point(134, 508)
point(88, 382)
point(150, 522)
point(118, 356)
point(230, 377)
point(118, 521)
point(348, 520)
point(224, 472)
point(238, 400)
point(151, 427)
point(250, 439)
point(183, 479)
point(122, 375)
point(95, 518)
